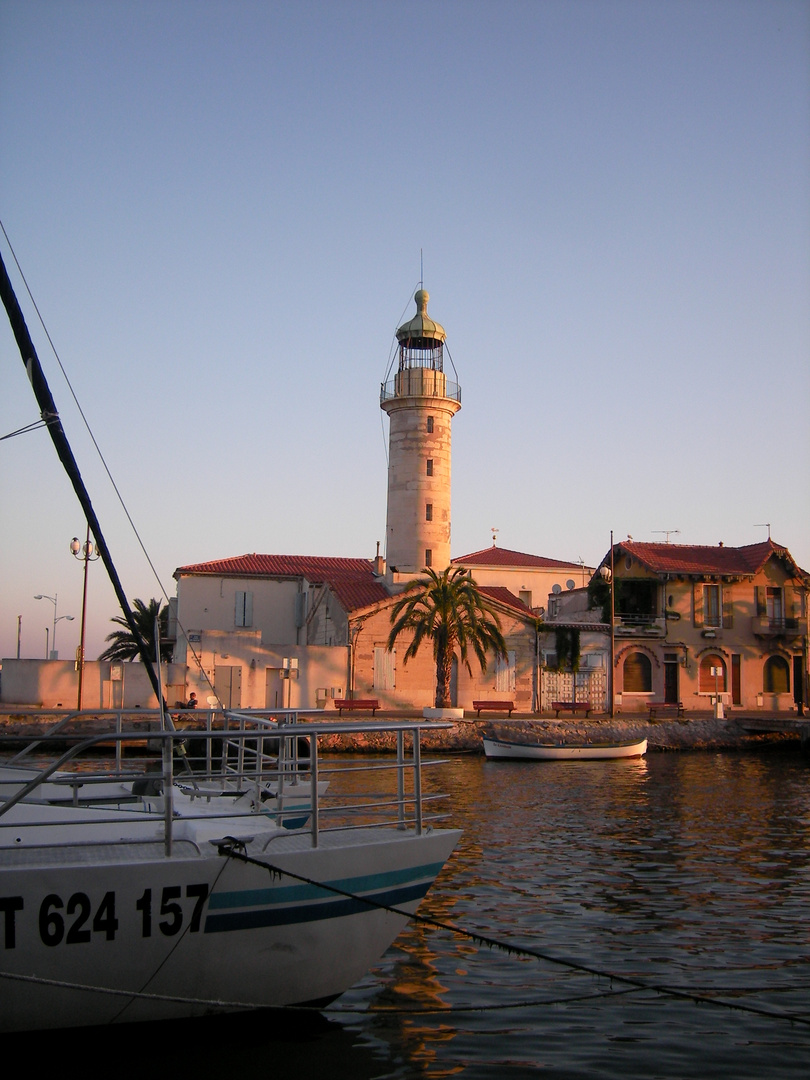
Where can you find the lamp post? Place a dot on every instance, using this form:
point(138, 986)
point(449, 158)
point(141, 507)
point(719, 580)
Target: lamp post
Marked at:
point(607, 575)
point(54, 655)
point(85, 554)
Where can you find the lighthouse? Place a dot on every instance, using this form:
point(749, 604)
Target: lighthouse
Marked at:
point(420, 402)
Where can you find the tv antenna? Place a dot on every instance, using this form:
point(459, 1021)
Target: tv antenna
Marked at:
point(765, 525)
point(667, 532)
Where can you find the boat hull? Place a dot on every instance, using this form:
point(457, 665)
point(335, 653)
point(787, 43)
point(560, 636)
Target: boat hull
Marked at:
point(133, 935)
point(535, 751)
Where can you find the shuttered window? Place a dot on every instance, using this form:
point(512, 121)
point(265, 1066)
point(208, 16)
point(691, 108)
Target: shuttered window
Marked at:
point(707, 677)
point(505, 673)
point(243, 615)
point(776, 675)
point(637, 674)
point(384, 669)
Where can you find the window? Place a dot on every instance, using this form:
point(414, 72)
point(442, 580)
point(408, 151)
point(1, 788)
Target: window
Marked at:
point(770, 606)
point(505, 673)
point(429, 469)
point(430, 425)
point(428, 556)
point(636, 601)
point(428, 511)
point(637, 674)
point(243, 615)
point(776, 676)
point(773, 606)
point(526, 596)
point(384, 668)
point(711, 606)
point(712, 675)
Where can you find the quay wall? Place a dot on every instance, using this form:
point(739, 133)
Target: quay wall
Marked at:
point(464, 736)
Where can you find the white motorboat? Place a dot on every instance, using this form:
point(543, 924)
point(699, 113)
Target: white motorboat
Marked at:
point(154, 898)
point(143, 897)
point(535, 750)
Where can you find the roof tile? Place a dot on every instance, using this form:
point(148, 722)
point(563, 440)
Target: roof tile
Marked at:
point(495, 556)
point(352, 580)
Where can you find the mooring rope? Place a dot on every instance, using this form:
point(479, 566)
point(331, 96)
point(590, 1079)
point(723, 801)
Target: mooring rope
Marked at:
point(232, 848)
point(236, 849)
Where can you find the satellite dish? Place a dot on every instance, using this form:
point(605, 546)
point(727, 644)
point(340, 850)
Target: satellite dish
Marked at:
point(570, 584)
point(556, 589)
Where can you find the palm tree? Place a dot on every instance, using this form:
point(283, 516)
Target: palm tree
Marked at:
point(125, 646)
point(449, 609)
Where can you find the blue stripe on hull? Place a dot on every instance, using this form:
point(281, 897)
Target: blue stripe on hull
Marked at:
point(330, 909)
point(290, 894)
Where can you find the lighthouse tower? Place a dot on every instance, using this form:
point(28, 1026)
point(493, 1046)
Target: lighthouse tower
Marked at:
point(421, 403)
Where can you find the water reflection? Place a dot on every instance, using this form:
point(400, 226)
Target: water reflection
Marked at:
point(688, 870)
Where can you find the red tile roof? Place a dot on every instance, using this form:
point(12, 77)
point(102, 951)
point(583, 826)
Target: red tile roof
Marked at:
point(698, 559)
point(351, 580)
point(503, 596)
point(495, 556)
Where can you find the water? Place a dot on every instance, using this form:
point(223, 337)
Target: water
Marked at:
point(688, 871)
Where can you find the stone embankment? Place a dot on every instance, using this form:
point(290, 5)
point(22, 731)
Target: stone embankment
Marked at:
point(697, 732)
point(700, 733)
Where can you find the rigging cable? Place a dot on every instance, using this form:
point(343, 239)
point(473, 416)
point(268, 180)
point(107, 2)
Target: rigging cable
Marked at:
point(235, 849)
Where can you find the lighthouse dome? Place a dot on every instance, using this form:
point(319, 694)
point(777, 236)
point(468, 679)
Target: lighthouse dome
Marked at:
point(421, 332)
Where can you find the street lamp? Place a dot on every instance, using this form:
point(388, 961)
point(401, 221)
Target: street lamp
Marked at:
point(85, 554)
point(606, 573)
point(56, 618)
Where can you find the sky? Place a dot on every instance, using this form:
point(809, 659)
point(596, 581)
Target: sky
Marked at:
point(222, 211)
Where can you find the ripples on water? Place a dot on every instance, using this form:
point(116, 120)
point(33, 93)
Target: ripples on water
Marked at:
point(689, 870)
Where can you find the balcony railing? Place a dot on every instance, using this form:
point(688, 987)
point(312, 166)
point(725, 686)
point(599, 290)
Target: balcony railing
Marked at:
point(646, 625)
point(775, 626)
point(423, 388)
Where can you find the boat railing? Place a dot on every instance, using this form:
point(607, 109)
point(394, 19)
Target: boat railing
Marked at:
point(275, 758)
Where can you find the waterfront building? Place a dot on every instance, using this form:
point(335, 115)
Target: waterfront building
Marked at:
point(536, 580)
point(701, 625)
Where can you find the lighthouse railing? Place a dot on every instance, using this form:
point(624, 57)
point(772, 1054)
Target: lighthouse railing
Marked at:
point(395, 389)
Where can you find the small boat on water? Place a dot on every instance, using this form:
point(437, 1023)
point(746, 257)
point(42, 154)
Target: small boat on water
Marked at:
point(161, 889)
point(534, 750)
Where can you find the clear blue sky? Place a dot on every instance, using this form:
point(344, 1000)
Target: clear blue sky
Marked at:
point(219, 207)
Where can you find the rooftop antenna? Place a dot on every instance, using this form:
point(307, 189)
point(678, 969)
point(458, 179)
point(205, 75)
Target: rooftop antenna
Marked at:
point(667, 532)
point(765, 525)
point(494, 536)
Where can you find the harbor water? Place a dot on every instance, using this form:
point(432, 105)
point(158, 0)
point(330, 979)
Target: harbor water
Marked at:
point(686, 874)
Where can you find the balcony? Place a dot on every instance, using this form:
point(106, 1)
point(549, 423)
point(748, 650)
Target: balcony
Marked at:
point(420, 382)
point(633, 625)
point(769, 626)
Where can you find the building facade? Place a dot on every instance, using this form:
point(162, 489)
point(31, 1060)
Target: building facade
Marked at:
point(697, 624)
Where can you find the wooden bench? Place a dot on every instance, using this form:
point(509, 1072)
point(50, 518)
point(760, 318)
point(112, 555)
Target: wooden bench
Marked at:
point(660, 709)
point(356, 705)
point(571, 706)
point(494, 706)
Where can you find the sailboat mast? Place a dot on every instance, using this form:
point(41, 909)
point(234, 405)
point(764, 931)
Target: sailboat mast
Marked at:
point(50, 415)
